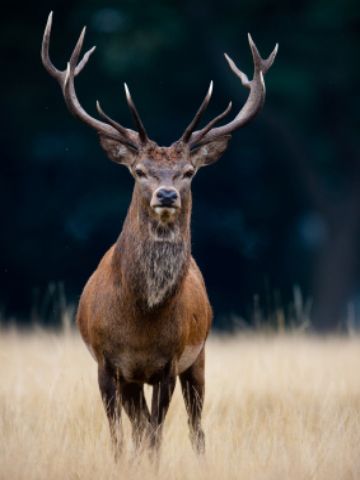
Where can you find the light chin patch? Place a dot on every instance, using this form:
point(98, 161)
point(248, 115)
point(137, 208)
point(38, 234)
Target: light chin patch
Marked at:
point(165, 214)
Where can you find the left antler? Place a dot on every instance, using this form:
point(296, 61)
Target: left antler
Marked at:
point(66, 78)
point(252, 106)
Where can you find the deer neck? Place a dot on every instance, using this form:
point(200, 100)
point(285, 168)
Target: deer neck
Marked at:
point(152, 258)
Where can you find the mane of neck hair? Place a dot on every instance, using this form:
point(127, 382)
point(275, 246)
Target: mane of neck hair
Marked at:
point(152, 258)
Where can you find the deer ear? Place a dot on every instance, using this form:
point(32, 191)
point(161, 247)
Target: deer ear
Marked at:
point(209, 152)
point(118, 152)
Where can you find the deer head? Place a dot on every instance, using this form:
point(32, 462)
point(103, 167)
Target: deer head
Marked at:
point(162, 174)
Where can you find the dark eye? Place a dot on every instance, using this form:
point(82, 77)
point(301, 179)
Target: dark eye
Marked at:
point(140, 173)
point(189, 173)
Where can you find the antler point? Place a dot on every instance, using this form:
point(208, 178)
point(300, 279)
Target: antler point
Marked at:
point(48, 23)
point(127, 91)
point(98, 107)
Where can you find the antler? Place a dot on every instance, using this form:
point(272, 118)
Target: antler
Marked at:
point(66, 77)
point(252, 106)
point(195, 121)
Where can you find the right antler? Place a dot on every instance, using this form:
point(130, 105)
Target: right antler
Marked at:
point(66, 77)
point(252, 106)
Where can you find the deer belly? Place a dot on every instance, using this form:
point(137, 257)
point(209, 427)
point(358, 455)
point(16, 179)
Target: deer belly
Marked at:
point(188, 357)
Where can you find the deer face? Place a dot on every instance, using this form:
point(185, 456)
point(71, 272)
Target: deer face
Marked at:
point(163, 175)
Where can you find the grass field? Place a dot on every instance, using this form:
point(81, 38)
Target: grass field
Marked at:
point(277, 407)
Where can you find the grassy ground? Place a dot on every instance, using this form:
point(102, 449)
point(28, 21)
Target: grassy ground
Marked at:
point(277, 407)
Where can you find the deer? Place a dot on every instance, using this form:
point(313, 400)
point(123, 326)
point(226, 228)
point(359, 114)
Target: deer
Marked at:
point(144, 313)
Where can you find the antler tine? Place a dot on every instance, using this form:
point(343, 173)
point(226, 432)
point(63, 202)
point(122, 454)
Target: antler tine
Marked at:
point(213, 122)
point(84, 60)
point(254, 101)
point(45, 56)
point(77, 49)
point(66, 80)
point(243, 77)
point(136, 117)
point(124, 131)
point(195, 121)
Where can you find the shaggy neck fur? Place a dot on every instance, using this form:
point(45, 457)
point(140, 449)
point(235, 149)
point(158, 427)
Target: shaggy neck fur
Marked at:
point(154, 257)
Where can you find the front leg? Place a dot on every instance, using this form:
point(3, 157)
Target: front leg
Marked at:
point(134, 403)
point(161, 397)
point(109, 390)
point(193, 389)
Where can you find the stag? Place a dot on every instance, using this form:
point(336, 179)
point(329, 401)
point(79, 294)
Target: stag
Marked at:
point(144, 313)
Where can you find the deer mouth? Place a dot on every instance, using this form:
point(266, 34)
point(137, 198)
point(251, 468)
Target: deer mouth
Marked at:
point(165, 213)
point(163, 210)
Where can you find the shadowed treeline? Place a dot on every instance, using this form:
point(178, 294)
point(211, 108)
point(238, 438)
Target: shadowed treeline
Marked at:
point(281, 208)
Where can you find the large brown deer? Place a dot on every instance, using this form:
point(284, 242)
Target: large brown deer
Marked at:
point(144, 313)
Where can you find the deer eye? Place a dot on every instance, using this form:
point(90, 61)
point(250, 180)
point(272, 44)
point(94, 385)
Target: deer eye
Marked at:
point(140, 173)
point(189, 173)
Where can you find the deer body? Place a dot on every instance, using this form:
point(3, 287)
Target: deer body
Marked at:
point(128, 277)
point(144, 313)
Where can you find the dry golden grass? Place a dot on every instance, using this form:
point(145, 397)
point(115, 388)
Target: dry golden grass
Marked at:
point(277, 407)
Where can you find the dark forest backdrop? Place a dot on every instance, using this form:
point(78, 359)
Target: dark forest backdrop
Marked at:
point(281, 208)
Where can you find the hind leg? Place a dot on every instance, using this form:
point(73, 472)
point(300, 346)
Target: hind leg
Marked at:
point(193, 389)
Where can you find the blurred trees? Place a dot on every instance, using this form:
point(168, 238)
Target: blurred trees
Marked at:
point(280, 208)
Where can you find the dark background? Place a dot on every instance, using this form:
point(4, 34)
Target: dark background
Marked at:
point(281, 208)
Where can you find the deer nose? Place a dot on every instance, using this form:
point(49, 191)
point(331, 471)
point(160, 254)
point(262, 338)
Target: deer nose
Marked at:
point(166, 196)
